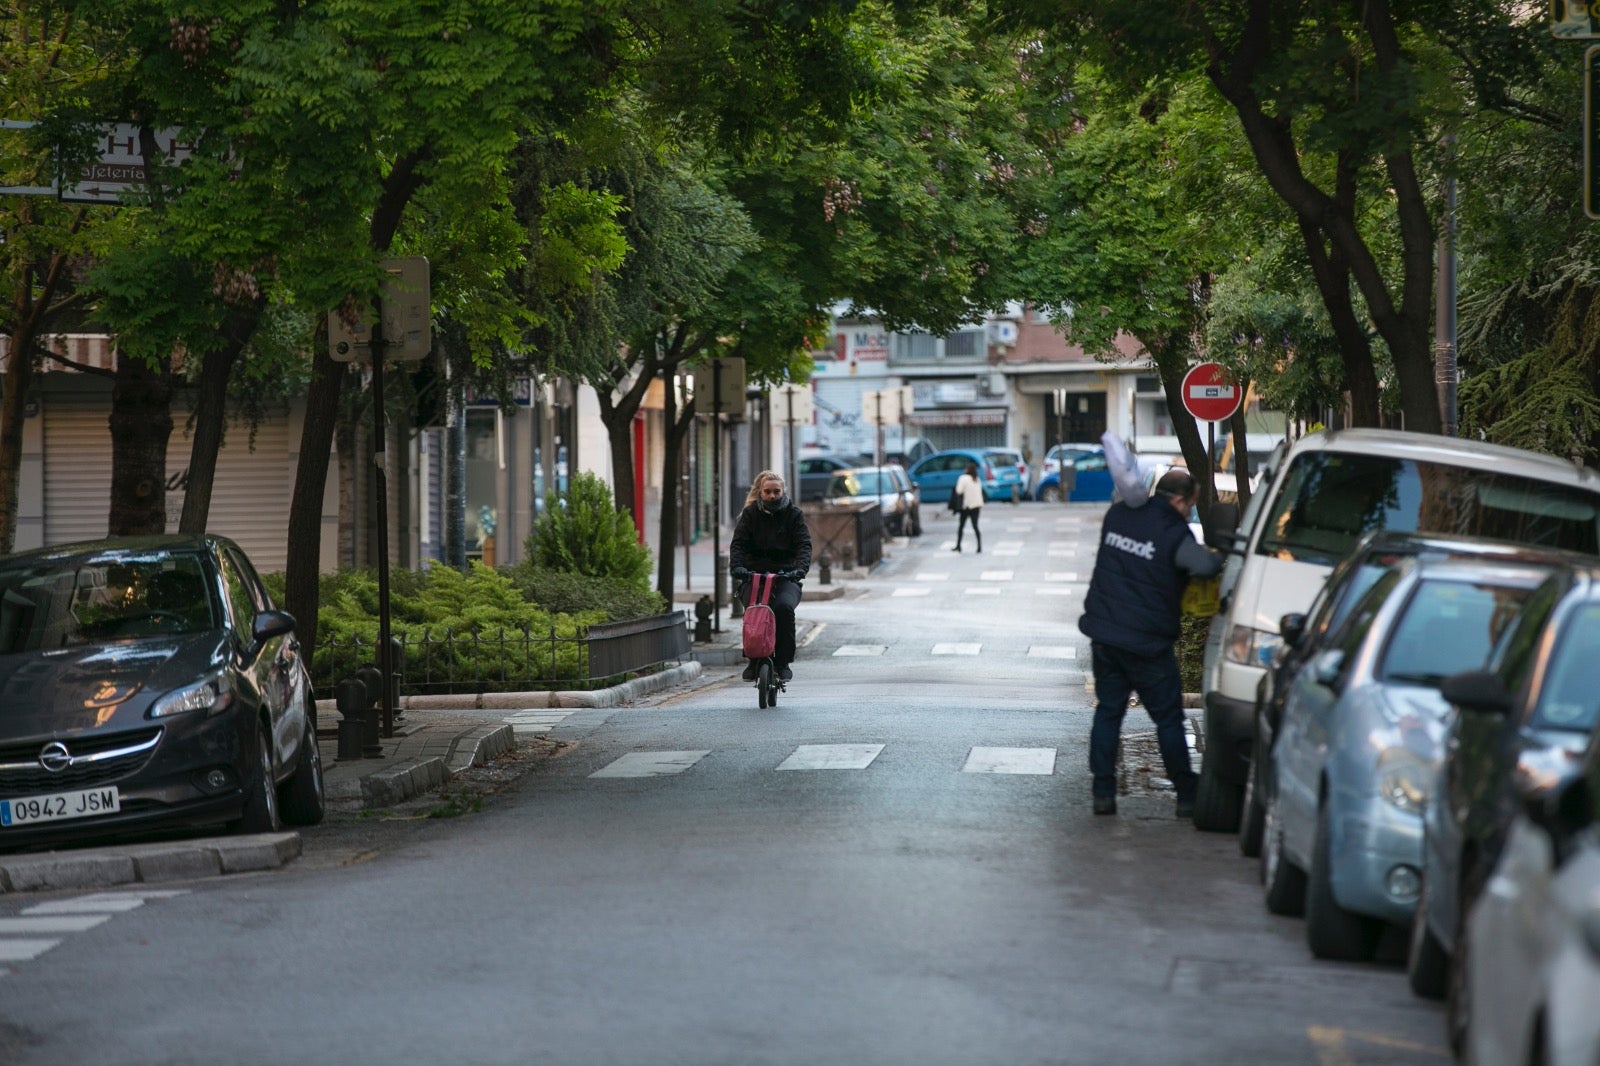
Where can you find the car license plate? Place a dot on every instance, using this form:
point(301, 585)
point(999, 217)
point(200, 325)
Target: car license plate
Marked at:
point(59, 806)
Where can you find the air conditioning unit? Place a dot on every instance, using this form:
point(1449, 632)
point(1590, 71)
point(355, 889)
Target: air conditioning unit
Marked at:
point(1002, 331)
point(992, 384)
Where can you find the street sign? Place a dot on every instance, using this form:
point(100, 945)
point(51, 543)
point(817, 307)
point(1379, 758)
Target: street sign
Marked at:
point(719, 387)
point(407, 317)
point(1574, 20)
point(792, 406)
point(1210, 394)
point(121, 165)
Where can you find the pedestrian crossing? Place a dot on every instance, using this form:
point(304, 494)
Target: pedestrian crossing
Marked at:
point(37, 929)
point(1035, 651)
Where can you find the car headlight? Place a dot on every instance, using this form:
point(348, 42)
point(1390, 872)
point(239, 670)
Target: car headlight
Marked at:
point(1403, 779)
point(212, 694)
point(1252, 647)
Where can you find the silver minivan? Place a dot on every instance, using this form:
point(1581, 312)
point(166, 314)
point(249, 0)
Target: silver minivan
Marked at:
point(1325, 491)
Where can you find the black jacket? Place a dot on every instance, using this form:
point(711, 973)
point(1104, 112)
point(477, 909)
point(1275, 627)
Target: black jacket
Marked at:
point(1135, 597)
point(766, 543)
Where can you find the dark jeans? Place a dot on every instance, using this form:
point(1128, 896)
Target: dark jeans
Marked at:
point(1160, 687)
point(969, 513)
point(784, 599)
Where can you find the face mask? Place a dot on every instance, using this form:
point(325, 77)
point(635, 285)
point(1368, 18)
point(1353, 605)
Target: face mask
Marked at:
point(774, 506)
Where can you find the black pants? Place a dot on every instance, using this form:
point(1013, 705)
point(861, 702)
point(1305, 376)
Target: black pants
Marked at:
point(1160, 687)
point(961, 524)
point(784, 599)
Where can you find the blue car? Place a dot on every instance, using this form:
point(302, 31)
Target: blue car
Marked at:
point(1089, 482)
point(935, 475)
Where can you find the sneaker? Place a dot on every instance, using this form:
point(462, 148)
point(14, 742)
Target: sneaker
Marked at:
point(956, 548)
point(786, 673)
point(751, 669)
point(1186, 808)
point(1105, 805)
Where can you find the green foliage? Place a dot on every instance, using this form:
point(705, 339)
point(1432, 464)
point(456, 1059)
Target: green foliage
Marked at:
point(564, 592)
point(586, 534)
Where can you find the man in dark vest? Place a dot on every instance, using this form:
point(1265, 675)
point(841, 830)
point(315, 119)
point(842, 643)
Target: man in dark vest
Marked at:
point(1131, 614)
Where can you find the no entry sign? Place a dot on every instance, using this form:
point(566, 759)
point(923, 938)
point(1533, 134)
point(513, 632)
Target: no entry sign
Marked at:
point(1210, 394)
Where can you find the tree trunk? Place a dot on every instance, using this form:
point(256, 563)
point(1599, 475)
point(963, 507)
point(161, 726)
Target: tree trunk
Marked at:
point(141, 425)
point(13, 411)
point(677, 426)
point(311, 479)
point(211, 416)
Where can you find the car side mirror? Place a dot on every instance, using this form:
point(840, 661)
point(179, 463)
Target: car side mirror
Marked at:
point(1292, 627)
point(1326, 667)
point(1561, 813)
point(1222, 527)
point(269, 624)
point(1477, 690)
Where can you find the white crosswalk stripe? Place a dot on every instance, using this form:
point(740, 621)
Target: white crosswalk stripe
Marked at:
point(831, 757)
point(982, 590)
point(23, 950)
point(956, 649)
point(21, 939)
point(1051, 651)
point(861, 649)
point(52, 923)
point(996, 575)
point(932, 575)
point(1047, 590)
point(651, 764)
point(535, 721)
point(1010, 761)
point(1061, 575)
point(912, 592)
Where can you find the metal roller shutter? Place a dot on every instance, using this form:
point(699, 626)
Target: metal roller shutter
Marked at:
point(77, 468)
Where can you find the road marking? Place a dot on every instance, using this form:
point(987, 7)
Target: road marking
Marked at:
point(831, 757)
point(1051, 651)
point(1010, 761)
point(1061, 575)
point(23, 950)
point(1006, 551)
point(535, 721)
point(1060, 552)
point(996, 575)
point(651, 764)
point(911, 592)
point(981, 590)
point(52, 923)
point(1019, 528)
point(101, 902)
point(931, 575)
point(957, 649)
point(1045, 590)
point(861, 649)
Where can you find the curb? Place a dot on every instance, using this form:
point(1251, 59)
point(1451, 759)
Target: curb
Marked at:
point(147, 863)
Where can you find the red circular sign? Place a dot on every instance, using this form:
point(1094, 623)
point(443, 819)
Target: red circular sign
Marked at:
point(1210, 394)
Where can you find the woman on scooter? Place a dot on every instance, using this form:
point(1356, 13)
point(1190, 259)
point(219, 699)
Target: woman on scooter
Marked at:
point(771, 537)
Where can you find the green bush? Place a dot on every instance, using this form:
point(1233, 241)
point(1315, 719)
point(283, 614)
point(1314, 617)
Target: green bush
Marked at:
point(563, 592)
point(586, 534)
point(1191, 649)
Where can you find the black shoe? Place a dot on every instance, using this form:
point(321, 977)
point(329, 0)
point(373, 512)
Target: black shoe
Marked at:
point(786, 673)
point(1105, 805)
point(1186, 808)
point(752, 668)
point(956, 548)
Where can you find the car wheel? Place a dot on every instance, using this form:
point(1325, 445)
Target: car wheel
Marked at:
point(260, 814)
point(1254, 817)
point(1284, 882)
point(302, 797)
point(1050, 494)
point(1216, 802)
point(1331, 931)
point(1426, 960)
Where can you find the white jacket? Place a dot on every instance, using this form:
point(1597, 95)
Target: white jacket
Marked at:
point(971, 492)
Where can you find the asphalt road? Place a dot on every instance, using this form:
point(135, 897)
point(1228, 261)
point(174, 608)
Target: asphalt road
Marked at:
point(897, 864)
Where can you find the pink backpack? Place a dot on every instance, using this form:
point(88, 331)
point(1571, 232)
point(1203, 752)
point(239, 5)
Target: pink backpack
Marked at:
point(760, 624)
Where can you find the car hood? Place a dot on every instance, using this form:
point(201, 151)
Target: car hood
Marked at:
point(74, 689)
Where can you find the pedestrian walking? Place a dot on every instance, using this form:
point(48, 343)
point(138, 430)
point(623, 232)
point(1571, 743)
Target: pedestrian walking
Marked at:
point(969, 492)
point(1131, 615)
point(771, 537)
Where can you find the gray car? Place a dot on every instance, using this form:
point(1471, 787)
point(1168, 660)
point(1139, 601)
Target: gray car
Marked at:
point(1360, 741)
point(898, 500)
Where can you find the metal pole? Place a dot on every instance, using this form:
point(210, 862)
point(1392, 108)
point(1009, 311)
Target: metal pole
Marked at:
point(716, 493)
point(878, 456)
point(380, 456)
point(1444, 336)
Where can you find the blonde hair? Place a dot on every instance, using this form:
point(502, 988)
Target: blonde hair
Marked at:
point(755, 486)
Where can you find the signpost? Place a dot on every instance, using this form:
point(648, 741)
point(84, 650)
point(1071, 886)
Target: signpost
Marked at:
point(884, 407)
point(718, 390)
point(1574, 20)
point(1209, 393)
point(794, 407)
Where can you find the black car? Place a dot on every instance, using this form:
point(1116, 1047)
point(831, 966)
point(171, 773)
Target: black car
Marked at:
point(1373, 555)
point(1521, 726)
point(149, 683)
point(816, 474)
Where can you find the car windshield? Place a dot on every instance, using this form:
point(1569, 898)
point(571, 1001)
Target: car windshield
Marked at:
point(1569, 698)
point(1006, 459)
point(1447, 627)
point(78, 599)
point(1329, 499)
point(864, 483)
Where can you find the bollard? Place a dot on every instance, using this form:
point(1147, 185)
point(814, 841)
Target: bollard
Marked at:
point(350, 696)
point(825, 569)
point(719, 587)
point(702, 620)
point(371, 679)
point(397, 653)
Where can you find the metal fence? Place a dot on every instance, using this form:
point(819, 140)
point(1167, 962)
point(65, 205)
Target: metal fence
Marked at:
point(513, 660)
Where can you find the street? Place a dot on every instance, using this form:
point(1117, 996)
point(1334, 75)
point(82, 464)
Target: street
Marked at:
point(897, 864)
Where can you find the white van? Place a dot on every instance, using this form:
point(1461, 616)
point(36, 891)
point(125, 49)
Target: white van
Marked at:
point(1324, 492)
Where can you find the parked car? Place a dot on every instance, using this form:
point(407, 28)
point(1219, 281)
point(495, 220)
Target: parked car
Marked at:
point(898, 500)
point(1328, 489)
point(1304, 635)
point(1520, 728)
point(150, 683)
point(1011, 457)
point(1088, 478)
point(1360, 741)
point(1533, 968)
point(816, 474)
point(936, 475)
